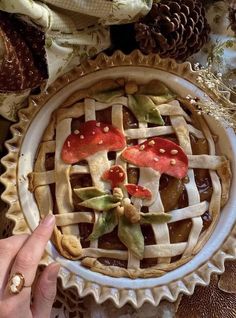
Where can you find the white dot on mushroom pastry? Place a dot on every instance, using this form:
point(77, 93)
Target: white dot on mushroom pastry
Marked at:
point(151, 143)
point(174, 151)
point(106, 129)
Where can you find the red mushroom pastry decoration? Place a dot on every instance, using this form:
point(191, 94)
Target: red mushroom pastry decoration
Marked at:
point(138, 191)
point(92, 141)
point(91, 137)
point(115, 175)
point(161, 155)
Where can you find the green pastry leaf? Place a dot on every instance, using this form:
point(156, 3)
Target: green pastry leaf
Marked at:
point(105, 224)
point(154, 117)
point(154, 218)
point(108, 96)
point(131, 236)
point(155, 88)
point(144, 109)
point(88, 193)
point(163, 99)
point(157, 91)
point(102, 203)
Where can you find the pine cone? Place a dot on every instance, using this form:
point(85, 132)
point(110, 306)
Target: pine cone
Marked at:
point(24, 63)
point(232, 18)
point(175, 29)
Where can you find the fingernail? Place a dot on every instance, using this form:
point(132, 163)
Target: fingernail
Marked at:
point(53, 273)
point(48, 220)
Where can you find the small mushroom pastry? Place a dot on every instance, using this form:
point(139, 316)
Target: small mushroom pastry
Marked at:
point(131, 172)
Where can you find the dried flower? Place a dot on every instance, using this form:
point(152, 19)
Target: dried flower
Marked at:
point(213, 84)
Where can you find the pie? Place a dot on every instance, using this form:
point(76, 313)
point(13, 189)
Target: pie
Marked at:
point(132, 174)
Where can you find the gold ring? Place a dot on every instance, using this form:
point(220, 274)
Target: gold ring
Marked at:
point(16, 283)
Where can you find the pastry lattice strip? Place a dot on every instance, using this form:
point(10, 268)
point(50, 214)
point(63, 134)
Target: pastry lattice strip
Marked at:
point(63, 171)
point(176, 215)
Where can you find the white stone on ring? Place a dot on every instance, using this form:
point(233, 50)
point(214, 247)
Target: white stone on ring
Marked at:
point(16, 283)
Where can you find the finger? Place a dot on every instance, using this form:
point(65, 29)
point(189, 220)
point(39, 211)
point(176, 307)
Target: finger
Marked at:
point(28, 258)
point(45, 292)
point(9, 247)
point(16, 305)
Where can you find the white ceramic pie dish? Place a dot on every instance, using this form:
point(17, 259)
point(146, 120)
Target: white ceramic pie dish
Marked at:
point(23, 208)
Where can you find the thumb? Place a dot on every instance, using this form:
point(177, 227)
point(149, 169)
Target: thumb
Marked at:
point(45, 292)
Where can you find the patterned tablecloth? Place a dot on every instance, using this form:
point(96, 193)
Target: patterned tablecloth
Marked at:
point(78, 28)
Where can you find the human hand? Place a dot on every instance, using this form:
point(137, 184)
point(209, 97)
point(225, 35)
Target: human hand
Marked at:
point(22, 254)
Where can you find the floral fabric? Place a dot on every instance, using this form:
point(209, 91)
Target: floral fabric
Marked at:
point(220, 51)
point(75, 28)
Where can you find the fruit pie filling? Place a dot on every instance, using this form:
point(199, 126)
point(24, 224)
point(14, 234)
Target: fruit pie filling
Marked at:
point(172, 191)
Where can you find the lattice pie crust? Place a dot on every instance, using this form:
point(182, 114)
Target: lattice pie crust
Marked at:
point(182, 123)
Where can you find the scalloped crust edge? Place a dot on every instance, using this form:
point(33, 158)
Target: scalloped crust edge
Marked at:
point(171, 291)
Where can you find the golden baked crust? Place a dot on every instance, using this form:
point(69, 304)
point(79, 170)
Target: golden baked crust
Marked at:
point(182, 124)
